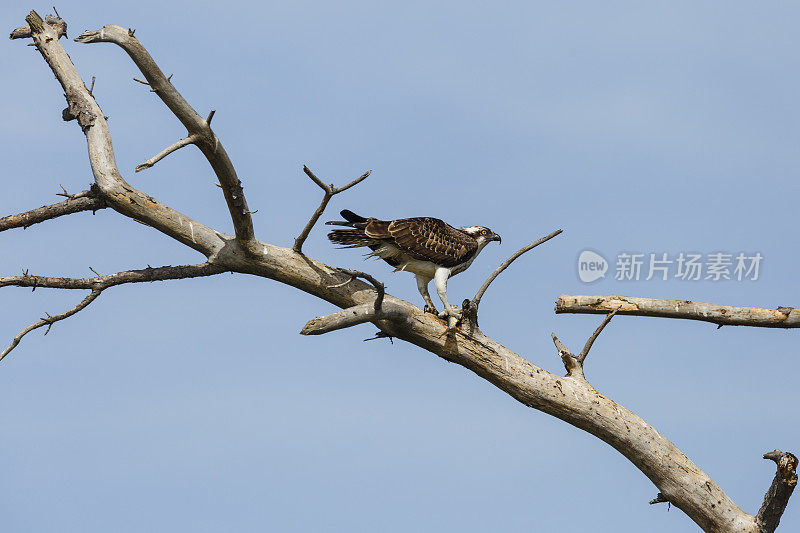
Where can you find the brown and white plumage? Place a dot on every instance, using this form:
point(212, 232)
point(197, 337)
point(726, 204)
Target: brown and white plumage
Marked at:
point(426, 246)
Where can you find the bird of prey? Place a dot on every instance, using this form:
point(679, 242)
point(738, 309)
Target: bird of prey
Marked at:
point(426, 246)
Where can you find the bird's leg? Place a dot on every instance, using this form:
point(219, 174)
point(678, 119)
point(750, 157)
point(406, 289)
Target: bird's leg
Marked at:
point(422, 286)
point(440, 278)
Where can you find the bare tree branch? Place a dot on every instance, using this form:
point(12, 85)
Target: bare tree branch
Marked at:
point(677, 478)
point(103, 282)
point(351, 316)
point(118, 194)
point(191, 139)
point(50, 320)
point(574, 363)
point(588, 346)
point(197, 126)
point(98, 285)
point(722, 315)
point(83, 201)
point(769, 516)
point(505, 264)
point(330, 192)
point(379, 287)
point(56, 22)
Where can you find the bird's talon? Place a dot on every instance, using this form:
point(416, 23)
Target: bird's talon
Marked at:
point(454, 312)
point(429, 309)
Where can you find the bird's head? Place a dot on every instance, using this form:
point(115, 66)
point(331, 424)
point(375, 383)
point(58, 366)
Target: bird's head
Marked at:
point(481, 234)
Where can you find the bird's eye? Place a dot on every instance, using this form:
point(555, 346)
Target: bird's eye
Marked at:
point(483, 232)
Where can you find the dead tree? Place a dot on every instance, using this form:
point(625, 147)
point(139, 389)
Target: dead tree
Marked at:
point(571, 398)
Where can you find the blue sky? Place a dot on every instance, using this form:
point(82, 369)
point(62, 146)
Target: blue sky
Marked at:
point(195, 405)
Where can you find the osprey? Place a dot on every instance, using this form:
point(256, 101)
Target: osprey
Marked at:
point(426, 246)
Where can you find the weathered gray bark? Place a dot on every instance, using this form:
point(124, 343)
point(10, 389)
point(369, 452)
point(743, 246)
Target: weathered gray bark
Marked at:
point(569, 398)
point(722, 315)
point(75, 203)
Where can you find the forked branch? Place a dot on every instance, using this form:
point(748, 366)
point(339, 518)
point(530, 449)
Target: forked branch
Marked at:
point(722, 315)
point(574, 363)
point(97, 285)
point(330, 192)
point(199, 129)
point(49, 320)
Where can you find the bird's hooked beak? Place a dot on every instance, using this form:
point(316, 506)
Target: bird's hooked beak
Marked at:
point(497, 238)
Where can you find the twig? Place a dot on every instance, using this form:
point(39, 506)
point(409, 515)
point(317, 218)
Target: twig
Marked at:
point(50, 320)
point(191, 139)
point(87, 200)
point(91, 89)
point(505, 264)
point(721, 315)
point(330, 192)
point(351, 316)
point(660, 498)
point(379, 287)
point(588, 346)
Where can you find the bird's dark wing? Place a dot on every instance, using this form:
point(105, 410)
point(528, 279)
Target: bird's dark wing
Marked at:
point(429, 239)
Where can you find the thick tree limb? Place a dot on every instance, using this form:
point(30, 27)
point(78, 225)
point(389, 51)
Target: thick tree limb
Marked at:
point(573, 401)
point(680, 481)
point(769, 516)
point(197, 126)
point(722, 315)
point(330, 192)
point(83, 201)
point(118, 194)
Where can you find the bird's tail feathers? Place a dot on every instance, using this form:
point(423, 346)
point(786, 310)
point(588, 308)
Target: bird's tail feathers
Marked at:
point(350, 219)
point(350, 238)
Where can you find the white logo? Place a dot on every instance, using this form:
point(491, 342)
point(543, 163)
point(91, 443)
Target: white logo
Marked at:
point(591, 266)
